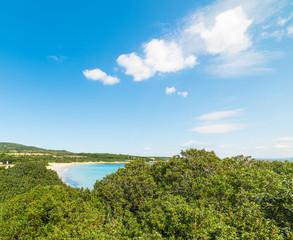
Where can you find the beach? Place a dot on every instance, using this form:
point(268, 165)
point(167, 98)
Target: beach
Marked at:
point(62, 168)
point(79, 177)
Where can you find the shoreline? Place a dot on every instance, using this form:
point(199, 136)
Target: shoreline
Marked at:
point(61, 168)
point(57, 166)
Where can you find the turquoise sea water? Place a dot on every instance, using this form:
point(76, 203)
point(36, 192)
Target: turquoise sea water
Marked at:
point(85, 175)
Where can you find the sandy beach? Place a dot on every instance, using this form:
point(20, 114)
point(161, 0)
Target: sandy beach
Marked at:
point(61, 168)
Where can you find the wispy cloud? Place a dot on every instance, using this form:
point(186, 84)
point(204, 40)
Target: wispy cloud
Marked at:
point(283, 21)
point(219, 115)
point(99, 75)
point(183, 94)
point(284, 139)
point(283, 146)
point(261, 147)
point(57, 58)
point(147, 147)
point(218, 128)
point(212, 124)
point(290, 30)
point(170, 90)
point(194, 143)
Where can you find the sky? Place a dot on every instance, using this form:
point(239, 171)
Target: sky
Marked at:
point(150, 77)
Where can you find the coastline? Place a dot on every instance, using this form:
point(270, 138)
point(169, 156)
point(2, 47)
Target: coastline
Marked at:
point(62, 168)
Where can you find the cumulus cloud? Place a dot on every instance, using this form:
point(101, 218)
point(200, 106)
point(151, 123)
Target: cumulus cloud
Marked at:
point(183, 94)
point(229, 33)
point(194, 143)
point(219, 115)
point(218, 128)
point(135, 66)
point(170, 90)
point(98, 75)
point(223, 32)
point(227, 30)
point(159, 56)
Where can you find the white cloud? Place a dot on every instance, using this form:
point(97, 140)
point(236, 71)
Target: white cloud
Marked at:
point(135, 66)
point(290, 30)
point(278, 34)
point(218, 128)
point(227, 30)
point(194, 143)
point(170, 90)
point(224, 30)
point(283, 21)
point(183, 94)
point(56, 58)
point(284, 139)
point(212, 124)
point(261, 147)
point(98, 75)
point(282, 146)
point(246, 63)
point(220, 115)
point(226, 145)
point(160, 56)
point(147, 148)
point(229, 33)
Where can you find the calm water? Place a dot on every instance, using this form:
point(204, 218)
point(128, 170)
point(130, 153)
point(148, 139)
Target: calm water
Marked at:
point(85, 175)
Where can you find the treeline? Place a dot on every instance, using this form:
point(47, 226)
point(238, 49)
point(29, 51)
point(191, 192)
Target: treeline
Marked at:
point(73, 157)
point(192, 196)
point(17, 153)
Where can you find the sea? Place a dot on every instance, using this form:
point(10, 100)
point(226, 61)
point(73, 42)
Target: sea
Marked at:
point(85, 175)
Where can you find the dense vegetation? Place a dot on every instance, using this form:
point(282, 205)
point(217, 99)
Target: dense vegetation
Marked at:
point(192, 196)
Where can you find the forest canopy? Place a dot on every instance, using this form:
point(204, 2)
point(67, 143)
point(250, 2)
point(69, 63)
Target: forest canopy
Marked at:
point(195, 195)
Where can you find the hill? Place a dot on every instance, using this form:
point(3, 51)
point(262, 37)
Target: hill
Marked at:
point(19, 148)
point(15, 153)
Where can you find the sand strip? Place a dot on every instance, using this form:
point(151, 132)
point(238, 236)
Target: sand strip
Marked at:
point(61, 168)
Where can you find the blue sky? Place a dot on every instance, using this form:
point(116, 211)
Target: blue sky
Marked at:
point(148, 77)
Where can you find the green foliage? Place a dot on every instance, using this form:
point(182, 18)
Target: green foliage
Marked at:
point(128, 186)
point(25, 176)
point(198, 195)
point(192, 196)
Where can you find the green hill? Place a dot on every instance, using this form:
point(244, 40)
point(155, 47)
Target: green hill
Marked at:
point(19, 148)
point(15, 153)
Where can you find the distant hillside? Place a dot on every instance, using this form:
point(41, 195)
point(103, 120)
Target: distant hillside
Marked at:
point(14, 153)
point(19, 148)
point(276, 159)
